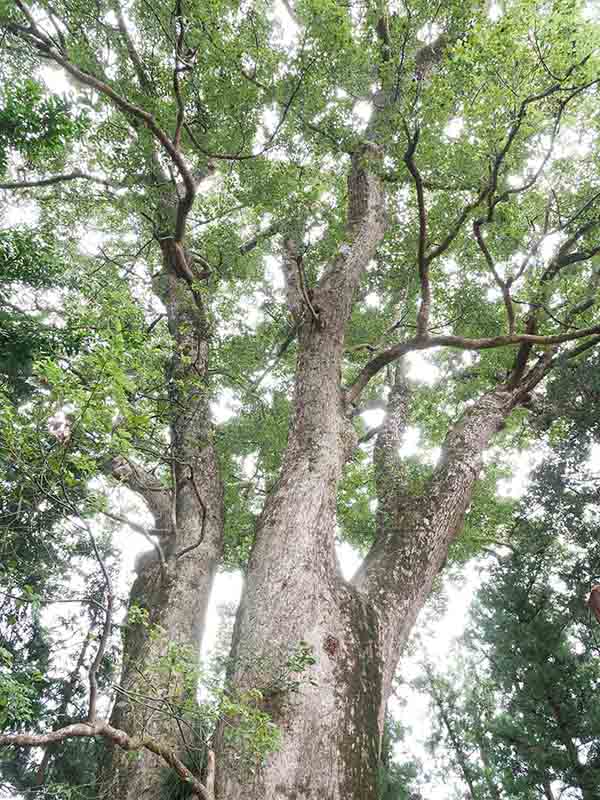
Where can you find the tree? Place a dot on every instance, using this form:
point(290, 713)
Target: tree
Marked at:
point(519, 712)
point(215, 154)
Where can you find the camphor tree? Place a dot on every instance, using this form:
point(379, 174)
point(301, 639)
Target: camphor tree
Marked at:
point(381, 180)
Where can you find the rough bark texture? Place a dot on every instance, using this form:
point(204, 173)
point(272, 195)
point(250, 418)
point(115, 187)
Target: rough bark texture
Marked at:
point(331, 732)
point(413, 541)
point(294, 592)
point(174, 581)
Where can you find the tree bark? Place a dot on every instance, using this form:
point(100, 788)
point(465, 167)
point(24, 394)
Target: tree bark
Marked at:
point(331, 731)
point(412, 543)
point(294, 594)
point(174, 581)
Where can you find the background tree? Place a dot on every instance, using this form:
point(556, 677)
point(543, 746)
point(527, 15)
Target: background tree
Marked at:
point(223, 162)
point(518, 714)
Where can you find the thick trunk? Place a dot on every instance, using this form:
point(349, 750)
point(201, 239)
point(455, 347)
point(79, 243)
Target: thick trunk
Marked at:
point(295, 597)
point(154, 696)
point(330, 729)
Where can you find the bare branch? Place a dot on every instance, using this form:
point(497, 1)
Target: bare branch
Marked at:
point(510, 312)
point(145, 84)
point(54, 179)
point(120, 738)
point(44, 45)
point(422, 260)
point(105, 633)
point(176, 75)
point(143, 532)
point(144, 483)
point(460, 343)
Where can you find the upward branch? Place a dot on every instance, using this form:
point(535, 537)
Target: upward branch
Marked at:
point(44, 44)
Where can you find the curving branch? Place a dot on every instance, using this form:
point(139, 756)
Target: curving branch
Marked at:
point(54, 179)
point(422, 259)
point(503, 286)
point(144, 483)
point(101, 729)
point(390, 355)
point(366, 224)
point(41, 42)
point(134, 56)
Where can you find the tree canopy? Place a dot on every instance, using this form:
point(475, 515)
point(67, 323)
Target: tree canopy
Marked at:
point(247, 249)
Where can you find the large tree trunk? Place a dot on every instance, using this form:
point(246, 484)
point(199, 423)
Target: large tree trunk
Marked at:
point(331, 728)
point(173, 584)
point(294, 594)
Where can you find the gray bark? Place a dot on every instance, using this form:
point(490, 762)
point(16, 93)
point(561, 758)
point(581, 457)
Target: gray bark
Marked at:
point(413, 540)
point(330, 733)
point(294, 592)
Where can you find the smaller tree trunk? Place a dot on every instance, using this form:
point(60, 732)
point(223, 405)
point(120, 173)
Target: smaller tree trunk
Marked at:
point(160, 656)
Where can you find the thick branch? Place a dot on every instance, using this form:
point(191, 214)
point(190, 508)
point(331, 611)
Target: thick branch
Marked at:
point(389, 471)
point(366, 224)
point(460, 343)
point(510, 312)
point(144, 483)
point(145, 84)
point(422, 260)
point(293, 275)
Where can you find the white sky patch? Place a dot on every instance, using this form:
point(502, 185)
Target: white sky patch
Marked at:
point(441, 638)
point(372, 300)
point(227, 588)
point(285, 25)
point(410, 442)
point(349, 559)
point(549, 245)
point(56, 80)
point(361, 113)
point(522, 464)
point(314, 233)
point(373, 417)
point(432, 456)
point(454, 128)
point(575, 142)
point(420, 369)
point(591, 11)
point(495, 11)
point(91, 242)
point(429, 32)
point(450, 265)
point(594, 460)
point(24, 212)
point(225, 407)
point(274, 272)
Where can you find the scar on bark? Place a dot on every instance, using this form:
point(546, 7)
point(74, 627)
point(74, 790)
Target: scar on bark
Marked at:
point(331, 646)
